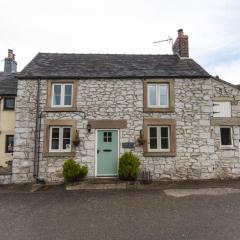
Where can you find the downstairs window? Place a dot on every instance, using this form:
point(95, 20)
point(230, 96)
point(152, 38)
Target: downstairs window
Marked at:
point(60, 139)
point(159, 139)
point(226, 136)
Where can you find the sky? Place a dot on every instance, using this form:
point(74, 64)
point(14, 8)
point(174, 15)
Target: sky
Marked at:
point(124, 26)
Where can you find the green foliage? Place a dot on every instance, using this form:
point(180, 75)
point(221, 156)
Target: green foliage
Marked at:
point(83, 172)
point(72, 171)
point(129, 166)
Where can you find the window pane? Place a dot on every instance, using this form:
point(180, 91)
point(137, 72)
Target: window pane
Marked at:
point(163, 89)
point(164, 132)
point(9, 103)
point(9, 143)
point(153, 132)
point(67, 100)
point(153, 143)
point(57, 95)
point(109, 137)
point(164, 143)
point(226, 138)
point(68, 95)
point(152, 94)
point(66, 143)
point(55, 132)
point(55, 143)
point(153, 137)
point(66, 132)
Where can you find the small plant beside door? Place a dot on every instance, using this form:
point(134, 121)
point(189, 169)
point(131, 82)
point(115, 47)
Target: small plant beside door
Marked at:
point(129, 167)
point(73, 172)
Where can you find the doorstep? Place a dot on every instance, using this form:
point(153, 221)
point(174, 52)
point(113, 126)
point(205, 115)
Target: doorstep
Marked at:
point(103, 184)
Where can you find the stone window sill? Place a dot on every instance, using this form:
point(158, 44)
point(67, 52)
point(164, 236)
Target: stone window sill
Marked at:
point(60, 109)
point(59, 154)
point(159, 154)
point(147, 109)
point(227, 148)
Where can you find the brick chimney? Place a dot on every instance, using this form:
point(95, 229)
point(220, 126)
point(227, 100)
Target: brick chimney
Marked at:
point(180, 47)
point(10, 65)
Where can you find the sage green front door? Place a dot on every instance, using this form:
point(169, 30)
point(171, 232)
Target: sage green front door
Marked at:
point(107, 153)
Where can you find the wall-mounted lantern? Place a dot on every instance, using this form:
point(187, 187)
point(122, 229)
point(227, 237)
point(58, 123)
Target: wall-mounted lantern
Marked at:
point(89, 127)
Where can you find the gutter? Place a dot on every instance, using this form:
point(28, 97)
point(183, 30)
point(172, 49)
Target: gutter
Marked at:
point(110, 77)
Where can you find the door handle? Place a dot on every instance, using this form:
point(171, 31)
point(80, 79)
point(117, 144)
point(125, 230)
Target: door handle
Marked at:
point(98, 151)
point(107, 150)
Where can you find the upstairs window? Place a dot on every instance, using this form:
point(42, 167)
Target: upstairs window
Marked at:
point(9, 103)
point(221, 109)
point(159, 139)
point(60, 139)
point(158, 95)
point(226, 136)
point(62, 95)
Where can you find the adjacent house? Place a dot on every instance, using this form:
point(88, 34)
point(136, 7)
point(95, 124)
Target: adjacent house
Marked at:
point(8, 92)
point(180, 121)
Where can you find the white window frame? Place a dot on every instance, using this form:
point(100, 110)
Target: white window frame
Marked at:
point(60, 139)
point(62, 95)
point(159, 149)
point(231, 131)
point(157, 85)
point(217, 107)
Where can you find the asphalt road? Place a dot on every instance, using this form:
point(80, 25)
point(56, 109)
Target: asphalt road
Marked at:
point(118, 215)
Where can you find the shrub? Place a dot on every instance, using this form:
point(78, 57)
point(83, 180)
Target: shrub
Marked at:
point(83, 172)
point(72, 171)
point(129, 166)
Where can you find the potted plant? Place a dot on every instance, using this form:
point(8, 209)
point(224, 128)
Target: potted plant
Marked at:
point(76, 140)
point(141, 139)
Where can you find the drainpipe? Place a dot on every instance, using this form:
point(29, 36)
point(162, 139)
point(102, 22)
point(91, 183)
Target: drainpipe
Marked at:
point(37, 133)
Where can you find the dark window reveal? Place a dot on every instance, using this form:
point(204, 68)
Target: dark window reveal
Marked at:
point(107, 136)
point(226, 136)
point(9, 103)
point(9, 143)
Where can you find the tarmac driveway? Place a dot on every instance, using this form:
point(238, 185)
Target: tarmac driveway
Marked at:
point(121, 214)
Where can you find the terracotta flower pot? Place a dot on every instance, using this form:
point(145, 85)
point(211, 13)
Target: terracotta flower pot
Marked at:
point(76, 142)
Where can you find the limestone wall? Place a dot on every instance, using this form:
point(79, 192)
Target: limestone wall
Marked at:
point(198, 149)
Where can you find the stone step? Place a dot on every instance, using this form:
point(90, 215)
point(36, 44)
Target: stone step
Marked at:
point(100, 186)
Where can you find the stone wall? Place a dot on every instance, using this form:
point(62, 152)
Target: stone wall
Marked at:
point(198, 150)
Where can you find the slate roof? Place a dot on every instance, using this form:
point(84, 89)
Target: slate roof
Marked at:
point(8, 84)
point(56, 65)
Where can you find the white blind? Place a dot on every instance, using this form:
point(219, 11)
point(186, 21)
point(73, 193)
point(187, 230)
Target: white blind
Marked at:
point(221, 109)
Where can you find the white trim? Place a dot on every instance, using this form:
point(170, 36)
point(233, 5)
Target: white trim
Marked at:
point(60, 139)
point(62, 95)
point(157, 88)
point(159, 149)
point(96, 156)
point(224, 146)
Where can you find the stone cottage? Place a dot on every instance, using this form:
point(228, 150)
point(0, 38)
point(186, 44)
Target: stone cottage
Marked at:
point(181, 122)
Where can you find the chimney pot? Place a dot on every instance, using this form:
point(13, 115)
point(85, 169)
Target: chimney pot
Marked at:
point(10, 65)
point(180, 32)
point(10, 53)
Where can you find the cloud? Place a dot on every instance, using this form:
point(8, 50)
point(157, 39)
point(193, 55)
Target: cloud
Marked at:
point(107, 26)
point(229, 71)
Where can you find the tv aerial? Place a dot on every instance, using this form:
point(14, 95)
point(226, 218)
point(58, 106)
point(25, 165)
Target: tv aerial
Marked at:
point(169, 40)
